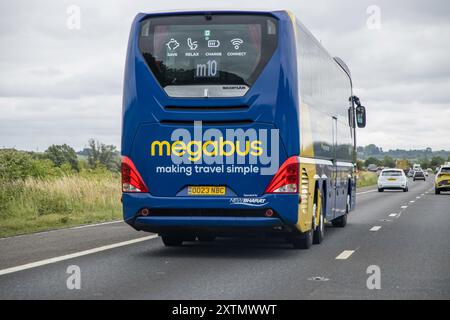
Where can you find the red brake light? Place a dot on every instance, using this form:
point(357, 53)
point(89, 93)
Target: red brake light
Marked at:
point(286, 180)
point(131, 179)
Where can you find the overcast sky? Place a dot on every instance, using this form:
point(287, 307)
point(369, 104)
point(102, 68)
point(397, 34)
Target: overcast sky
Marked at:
point(61, 85)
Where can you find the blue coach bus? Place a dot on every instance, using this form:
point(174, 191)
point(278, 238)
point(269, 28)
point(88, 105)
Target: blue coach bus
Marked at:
point(235, 123)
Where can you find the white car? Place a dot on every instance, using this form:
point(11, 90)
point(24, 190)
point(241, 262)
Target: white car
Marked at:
point(392, 179)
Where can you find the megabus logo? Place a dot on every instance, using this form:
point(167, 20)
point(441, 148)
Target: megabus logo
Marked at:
point(256, 147)
point(196, 149)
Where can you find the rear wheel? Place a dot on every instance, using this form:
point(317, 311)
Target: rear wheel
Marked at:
point(380, 189)
point(302, 241)
point(437, 191)
point(319, 231)
point(340, 222)
point(405, 189)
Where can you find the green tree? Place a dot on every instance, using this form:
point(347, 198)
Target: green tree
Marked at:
point(437, 161)
point(102, 154)
point(61, 154)
point(372, 160)
point(388, 162)
point(359, 164)
point(424, 163)
point(372, 149)
point(16, 165)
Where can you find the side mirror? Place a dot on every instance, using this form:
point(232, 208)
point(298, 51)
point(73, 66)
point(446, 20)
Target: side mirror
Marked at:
point(361, 116)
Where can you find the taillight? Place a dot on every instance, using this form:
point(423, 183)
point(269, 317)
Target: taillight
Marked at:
point(286, 180)
point(131, 179)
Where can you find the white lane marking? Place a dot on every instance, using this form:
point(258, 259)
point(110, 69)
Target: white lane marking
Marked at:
point(93, 225)
point(366, 192)
point(375, 228)
point(393, 215)
point(412, 201)
point(417, 197)
point(74, 255)
point(404, 207)
point(345, 254)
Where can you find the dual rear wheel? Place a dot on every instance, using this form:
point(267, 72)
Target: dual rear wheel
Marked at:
point(317, 232)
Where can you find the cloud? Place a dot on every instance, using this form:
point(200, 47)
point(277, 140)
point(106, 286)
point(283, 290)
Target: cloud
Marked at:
point(64, 86)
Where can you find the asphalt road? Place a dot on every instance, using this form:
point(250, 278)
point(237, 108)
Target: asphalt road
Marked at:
point(411, 250)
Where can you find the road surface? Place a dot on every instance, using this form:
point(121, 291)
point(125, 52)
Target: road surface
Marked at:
point(405, 235)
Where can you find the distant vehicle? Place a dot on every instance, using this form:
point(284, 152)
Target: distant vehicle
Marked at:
point(419, 175)
point(442, 180)
point(410, 173)
point(425, 172)
point(392, 179)
point(372, 167)
point(379, 170)
point(416, 167)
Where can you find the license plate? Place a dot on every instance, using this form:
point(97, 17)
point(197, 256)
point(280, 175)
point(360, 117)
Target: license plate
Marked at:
point(206, 190)
point(392, 179)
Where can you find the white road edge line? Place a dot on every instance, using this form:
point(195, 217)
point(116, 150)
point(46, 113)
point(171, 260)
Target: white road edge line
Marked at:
point(393, 215)
point(64, 229)
point(74, 255)
point(404, 207)
point(375, 228)
point(93, 225)
point(366, 192)
point(345, 254)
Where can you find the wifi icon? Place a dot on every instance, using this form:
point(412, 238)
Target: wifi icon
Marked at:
point(237, 43)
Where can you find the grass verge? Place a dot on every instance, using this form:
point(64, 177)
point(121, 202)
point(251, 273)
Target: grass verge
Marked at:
point(366, 179)
point(33, 205)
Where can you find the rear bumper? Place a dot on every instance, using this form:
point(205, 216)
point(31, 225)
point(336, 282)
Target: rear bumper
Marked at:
point(392, 188)
point(392, 185)
point(209, 214)
point(442, 187)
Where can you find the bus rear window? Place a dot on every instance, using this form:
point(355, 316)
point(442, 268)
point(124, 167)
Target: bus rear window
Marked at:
point(393, 173)
point(207, 50)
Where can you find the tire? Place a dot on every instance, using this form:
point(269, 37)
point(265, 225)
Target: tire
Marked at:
point(206, 238)
point(437, 191)
point(171, 241)
point(405, 189)
point(302, 241)
point(340, 222)
point(319, 231)
point(380, 189)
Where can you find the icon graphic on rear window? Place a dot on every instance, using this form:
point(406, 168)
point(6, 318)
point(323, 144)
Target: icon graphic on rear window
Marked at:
point(192, 44)
point(213, 43)
point(172, 44)
point(237, 43)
